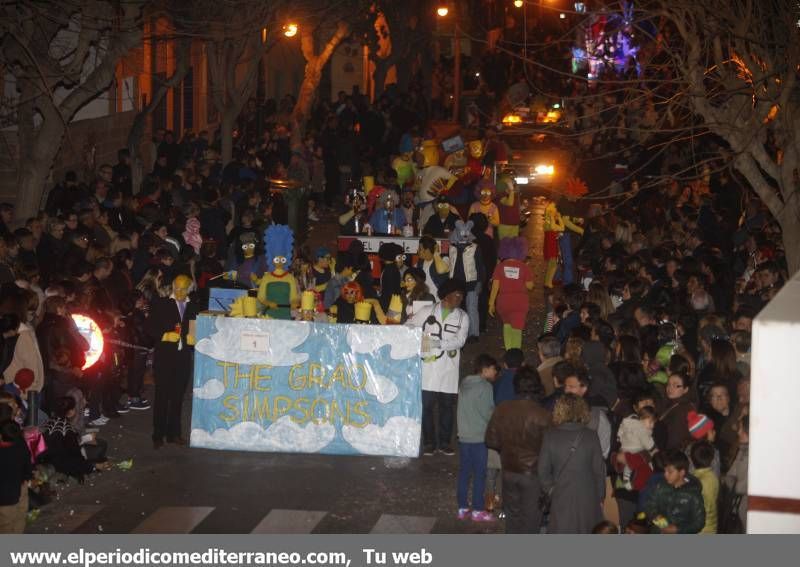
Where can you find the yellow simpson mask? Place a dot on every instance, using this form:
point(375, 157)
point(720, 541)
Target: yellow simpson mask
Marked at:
point(181, 286)
point(430, 153)
point(476, 149)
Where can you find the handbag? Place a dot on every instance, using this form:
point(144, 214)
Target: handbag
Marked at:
point(546, 496)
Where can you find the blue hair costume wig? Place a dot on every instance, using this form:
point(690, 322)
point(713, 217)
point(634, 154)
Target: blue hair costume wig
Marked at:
point(278, 241)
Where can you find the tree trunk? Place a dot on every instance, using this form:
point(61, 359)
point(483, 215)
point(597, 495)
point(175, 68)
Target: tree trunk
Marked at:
point(228, 118)
point(315, 62)
point(308, 90)
point(34, 168)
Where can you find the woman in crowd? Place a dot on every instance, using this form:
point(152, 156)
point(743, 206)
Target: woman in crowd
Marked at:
point(571, 469)
point(415, 290)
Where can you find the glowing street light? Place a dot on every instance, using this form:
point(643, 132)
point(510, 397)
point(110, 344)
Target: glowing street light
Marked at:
point(290, 30)
point(442, 11)
point(518, 3)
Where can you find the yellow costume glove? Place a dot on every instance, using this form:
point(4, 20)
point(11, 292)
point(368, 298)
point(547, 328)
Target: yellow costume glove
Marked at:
point(254, 278)
point(190, 340)
point(170, 337)
point(237, 307)
point(270, 304)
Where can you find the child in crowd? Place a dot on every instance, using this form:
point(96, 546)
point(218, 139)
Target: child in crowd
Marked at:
point(504, 385)
point(344, 273)
point(675, 505)
point(636, 437)
point(701, 428)
point(702, 455)
point(475, 407)
point(503, 390)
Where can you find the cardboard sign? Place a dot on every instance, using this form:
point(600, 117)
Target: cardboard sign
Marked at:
point(254, 342)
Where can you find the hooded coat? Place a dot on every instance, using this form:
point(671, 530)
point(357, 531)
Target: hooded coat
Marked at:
point(682, 507)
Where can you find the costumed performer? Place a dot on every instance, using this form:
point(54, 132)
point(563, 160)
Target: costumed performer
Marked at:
point(444, 328)
point(168, 328)
point(511, 282)
point(278, 287)
point(553, 228)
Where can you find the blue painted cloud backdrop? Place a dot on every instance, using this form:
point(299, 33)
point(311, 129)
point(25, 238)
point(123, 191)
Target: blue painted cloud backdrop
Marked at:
point(286, 386)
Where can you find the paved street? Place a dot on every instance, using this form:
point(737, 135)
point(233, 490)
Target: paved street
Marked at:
point(181, 490)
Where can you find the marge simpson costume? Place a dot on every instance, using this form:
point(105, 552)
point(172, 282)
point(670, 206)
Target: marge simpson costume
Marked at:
point(277, 290)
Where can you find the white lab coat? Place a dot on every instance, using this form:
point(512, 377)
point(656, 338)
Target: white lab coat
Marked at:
point(441, 374)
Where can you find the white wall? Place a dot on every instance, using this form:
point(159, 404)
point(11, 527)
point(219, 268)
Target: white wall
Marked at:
point(775, 410)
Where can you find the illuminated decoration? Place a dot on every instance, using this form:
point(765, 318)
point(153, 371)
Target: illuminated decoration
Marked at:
point(552, 117)
point(263, 35)
point(290, 30)
point(442, 11)
point(576, 187)
point(608, 44)
point(512, 119)
point(90, 331)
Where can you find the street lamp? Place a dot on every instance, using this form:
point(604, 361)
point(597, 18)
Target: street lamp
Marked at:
point(290, 30)
point(518, 3)
point(442, 11)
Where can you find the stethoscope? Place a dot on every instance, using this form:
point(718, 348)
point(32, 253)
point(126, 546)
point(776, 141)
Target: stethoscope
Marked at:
point(432, 322)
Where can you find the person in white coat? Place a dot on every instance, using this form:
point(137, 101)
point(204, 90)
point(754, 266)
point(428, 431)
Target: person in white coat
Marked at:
point(444, 328)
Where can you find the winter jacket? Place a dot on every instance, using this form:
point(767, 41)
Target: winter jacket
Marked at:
point(709, 482)
point(475, 406)
point(682, 507)
point(26, 355)
point(672, 428)
point(516, 430)
point(577, 479)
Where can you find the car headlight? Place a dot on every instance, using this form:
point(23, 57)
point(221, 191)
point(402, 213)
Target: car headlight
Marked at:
point(521, 180)
point(544, 169)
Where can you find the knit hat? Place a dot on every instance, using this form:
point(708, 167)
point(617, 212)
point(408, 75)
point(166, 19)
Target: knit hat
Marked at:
point(699, 424)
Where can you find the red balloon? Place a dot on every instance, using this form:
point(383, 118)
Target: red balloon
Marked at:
point(24, 378)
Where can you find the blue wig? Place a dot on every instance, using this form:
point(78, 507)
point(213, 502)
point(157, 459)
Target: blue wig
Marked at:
point(278, 241)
